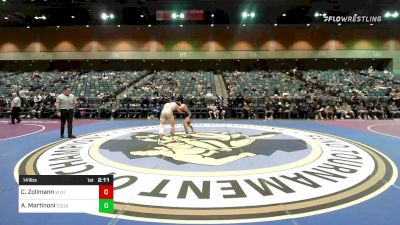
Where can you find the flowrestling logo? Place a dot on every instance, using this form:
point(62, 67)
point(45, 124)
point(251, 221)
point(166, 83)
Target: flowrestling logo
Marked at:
point(352, 19)
point(225, 173)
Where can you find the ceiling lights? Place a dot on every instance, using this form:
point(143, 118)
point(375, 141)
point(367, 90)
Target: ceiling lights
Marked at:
point(43, 17)
point(104, 16)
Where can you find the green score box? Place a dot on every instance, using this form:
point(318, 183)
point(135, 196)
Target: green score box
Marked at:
point(106, 205)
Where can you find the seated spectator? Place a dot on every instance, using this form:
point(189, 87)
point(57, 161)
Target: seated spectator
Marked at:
point(102, 111)
point(329, 112)
point(278, 107)
point(37, 111)
point(222, 110)
point(213, 112)
point(239, 100)
point(2, 103)
point(380, 112)
point(394, 110)
point(339, 110)
point(269, 111)
point(302, 109)
point(37, 99)
point(145, 100)
point(287, 109)
point(319, 109)
point(372, 111)
point(361, 110)
point(114, 110)
point(251, 110)
point(246, 110)
point(349, 113)
point(47, 111)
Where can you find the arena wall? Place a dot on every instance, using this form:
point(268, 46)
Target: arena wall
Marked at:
point(200, 42)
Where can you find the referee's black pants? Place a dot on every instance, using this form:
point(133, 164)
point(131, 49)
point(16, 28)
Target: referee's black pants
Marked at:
point(15, 114)
point(67, 115)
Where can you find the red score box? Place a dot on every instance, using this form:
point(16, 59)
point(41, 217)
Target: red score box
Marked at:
point(106, 192)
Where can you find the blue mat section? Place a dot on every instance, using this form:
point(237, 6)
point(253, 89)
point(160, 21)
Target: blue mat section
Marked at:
point(382, 209)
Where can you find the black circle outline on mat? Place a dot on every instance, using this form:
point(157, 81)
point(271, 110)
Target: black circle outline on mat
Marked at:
point(389, 175)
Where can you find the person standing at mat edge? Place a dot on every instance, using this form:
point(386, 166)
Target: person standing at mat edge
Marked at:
point(65, 104)
point(15, 108)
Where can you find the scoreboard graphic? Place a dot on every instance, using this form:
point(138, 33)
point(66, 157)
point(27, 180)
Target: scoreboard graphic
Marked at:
point(66, 194)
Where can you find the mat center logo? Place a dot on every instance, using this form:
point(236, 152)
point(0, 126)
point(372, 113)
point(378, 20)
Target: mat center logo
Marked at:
point(199, 148)
point(224, 173)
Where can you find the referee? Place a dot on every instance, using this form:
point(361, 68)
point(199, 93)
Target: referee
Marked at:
point(15, 108)
point(65, 104)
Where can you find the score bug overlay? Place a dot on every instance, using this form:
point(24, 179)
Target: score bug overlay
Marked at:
point(66, 194)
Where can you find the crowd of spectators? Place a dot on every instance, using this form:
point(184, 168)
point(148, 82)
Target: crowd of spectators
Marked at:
point(310, 94)
point(38, 90)
point(365, 94)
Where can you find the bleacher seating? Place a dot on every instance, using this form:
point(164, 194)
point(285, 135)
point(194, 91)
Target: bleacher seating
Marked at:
point(95, 88)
